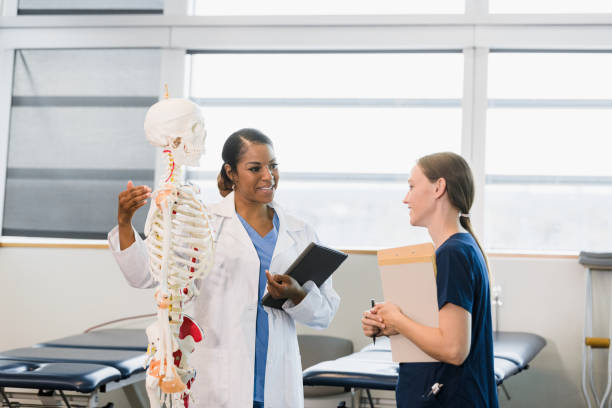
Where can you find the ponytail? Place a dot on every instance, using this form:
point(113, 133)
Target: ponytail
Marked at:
point(466, 223)
point(228, 184)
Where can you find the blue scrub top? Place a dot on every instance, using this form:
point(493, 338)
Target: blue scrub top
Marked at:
point(265, 248)
point(462, 280)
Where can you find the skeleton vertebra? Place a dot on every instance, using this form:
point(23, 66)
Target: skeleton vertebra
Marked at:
point(180, 245)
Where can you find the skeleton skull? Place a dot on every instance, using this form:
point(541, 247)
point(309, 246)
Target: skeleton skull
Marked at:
point(177, 124)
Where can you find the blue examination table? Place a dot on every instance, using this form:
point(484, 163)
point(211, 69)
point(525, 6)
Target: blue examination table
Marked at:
point(72, 371)
point(372, 367)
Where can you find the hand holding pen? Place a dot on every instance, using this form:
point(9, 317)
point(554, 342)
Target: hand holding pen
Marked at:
point(378, 321)
point(371, 323)
point(377, 331)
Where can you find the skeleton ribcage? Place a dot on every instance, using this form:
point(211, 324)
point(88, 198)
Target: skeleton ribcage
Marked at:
point(191, 243)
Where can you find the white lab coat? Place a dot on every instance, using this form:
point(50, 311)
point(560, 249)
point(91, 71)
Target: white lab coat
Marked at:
point(226, 310)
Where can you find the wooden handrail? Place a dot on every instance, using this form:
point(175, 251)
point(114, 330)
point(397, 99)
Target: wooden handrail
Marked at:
point(597, 342)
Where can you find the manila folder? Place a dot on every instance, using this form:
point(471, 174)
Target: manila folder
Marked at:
point(408, 277)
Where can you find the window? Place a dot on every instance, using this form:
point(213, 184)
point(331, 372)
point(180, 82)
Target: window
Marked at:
point(75, 138)
point(549, 176)
point(347, 129)
point(42, 7)
point(322, 7)
point(550, 6)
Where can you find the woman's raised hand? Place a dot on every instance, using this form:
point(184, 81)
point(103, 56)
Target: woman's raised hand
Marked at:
point(131, 199)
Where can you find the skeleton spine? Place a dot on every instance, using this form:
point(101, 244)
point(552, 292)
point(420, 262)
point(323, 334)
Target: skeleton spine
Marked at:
point(180, 246)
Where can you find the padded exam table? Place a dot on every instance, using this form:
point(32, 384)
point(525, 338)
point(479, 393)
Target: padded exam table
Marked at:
point(85, 365)
point(372, 367)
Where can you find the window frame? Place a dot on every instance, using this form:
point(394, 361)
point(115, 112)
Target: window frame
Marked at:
point(474, 33)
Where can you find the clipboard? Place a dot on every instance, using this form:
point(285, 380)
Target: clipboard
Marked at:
point(315, 263)
point(408, 277)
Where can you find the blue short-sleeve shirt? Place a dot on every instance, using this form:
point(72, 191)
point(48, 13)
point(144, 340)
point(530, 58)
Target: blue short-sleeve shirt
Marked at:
point(462, 280)
point(265, 249)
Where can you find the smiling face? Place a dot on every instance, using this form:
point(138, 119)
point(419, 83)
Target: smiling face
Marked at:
point(256, 176)
point(421, 197)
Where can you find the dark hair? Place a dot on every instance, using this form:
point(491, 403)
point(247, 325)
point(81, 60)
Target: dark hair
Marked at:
point(235, 146)
point(459, 186)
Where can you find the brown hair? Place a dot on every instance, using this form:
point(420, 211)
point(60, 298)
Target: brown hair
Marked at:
point(459, 186)
point(235, 146)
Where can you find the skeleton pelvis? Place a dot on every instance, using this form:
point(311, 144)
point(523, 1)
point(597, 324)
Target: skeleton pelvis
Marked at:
point(168, 385)
point(172, 386)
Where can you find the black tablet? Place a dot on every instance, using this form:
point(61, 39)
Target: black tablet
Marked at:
point(315, 263)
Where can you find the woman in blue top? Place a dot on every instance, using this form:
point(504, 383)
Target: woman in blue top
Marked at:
point(440, 197)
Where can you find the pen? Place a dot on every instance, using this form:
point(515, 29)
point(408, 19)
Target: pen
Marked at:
point(435, 389)
point(373, 303)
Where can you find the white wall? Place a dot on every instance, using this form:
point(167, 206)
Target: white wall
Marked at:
point(49, 293)
point(58, 292)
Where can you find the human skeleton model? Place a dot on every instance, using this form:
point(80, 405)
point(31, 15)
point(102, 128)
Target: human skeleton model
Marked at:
point(180, 246)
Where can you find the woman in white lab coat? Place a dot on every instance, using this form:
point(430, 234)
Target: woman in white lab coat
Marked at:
point(235, 367)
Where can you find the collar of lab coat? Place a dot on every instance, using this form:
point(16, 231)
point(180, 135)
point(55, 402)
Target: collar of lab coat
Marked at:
point(287, 235)
point(228, 221)
point(227, 208)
